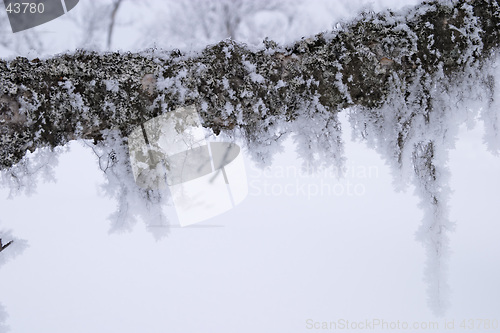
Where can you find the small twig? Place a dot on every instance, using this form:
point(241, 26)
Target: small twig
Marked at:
point(116, 5)
point(3, 247)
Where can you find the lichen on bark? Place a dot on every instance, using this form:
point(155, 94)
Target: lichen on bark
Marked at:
point(51, 101)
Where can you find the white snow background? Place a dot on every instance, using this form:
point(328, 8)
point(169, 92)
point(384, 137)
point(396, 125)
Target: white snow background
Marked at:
point(272, 264)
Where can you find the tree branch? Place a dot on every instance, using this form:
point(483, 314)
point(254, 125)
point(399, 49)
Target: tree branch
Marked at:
point(3, 247)
point(50, 102)
point(115, 6)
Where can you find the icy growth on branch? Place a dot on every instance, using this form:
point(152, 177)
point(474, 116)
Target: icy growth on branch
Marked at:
point(23, 177)
point(490, 113)
point(133, 201)
point(3, 318)
point(12, 247)
point(318, 137)
point(414, 131)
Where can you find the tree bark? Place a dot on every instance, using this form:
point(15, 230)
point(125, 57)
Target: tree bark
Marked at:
point(79, 95)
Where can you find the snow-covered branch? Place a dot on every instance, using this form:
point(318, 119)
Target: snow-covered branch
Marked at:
point(49, 102)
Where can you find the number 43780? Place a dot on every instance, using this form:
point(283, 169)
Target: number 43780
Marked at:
point(479, 324)
point(25, 8)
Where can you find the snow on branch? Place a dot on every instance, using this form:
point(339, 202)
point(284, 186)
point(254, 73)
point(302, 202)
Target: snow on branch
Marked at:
point(79, 95)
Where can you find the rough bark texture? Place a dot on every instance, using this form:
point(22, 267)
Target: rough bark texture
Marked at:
point(50, 102)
